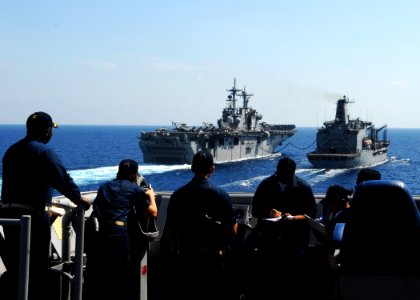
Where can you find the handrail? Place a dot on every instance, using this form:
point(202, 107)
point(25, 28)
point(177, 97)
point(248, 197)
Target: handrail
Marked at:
point(77, 278)
point(25, 250)
point(80, 237)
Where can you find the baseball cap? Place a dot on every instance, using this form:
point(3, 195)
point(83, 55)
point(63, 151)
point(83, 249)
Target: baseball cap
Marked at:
point(202, 161)
point(40, 120)
point(127, 167)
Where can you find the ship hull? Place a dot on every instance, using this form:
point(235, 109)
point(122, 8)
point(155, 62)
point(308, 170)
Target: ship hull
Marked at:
point(180, 149)
point(343, 161)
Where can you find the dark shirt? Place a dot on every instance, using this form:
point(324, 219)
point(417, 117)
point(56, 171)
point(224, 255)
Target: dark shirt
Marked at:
point(199, 216)
point(281, 245)
point(193, 206)
point(296, 199)
point(115, 199)
point(31, 169)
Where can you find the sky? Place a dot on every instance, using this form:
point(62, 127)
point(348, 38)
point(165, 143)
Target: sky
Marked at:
point(136, 62)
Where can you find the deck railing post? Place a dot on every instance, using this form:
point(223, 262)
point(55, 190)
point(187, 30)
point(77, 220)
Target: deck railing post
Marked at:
point(24, 258)
point(24, 252)
point(80, 237)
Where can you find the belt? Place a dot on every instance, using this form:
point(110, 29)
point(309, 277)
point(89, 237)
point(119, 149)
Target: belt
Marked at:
point(118, 223)
point(49, 209)
point(19, 205)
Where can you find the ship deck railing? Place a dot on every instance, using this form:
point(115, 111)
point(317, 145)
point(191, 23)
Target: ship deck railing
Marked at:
point(69, 245)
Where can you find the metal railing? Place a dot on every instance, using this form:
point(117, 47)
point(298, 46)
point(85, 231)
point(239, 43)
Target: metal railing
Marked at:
point(25, 249)
point(73, 275)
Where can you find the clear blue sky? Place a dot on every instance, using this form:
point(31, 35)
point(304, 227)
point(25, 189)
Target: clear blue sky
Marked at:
point(152, 62)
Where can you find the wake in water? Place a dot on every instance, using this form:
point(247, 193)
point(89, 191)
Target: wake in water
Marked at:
point(314, 176)
point(99, 175)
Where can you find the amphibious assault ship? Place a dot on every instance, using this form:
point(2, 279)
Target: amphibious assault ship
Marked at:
point(346, 143)
point(239, 135)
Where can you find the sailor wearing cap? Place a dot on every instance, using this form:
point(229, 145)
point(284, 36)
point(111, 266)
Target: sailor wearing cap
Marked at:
point(31, 170)
point(112, 258)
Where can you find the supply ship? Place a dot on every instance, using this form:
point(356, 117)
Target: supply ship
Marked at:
point(347, 143)
point(239, 135)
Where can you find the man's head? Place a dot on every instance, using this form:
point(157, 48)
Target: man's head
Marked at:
point(336, 196)
point(39, 126)
point(128, 169)
point(286, 168)
point(367, 174)
point(202, 163)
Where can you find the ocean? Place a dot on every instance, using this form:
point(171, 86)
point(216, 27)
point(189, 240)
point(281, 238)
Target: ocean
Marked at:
point(92, 153)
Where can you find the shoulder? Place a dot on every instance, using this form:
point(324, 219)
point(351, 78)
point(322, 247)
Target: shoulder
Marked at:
point(302, 182)
point(38, 145)
point(183, 189)
point(133, 187)
point(107, 184)
point(220, 192)
point(43, 150)
point(268, 181)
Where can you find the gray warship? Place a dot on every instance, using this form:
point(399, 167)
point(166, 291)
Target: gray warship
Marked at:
point(239, 135)
point(346, 143)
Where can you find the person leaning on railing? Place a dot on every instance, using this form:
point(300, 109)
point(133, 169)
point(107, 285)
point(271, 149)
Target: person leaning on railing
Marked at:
point(111, 269)
point(31, 170)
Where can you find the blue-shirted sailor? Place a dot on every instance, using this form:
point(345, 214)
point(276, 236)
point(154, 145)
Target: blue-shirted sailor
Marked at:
point(110, 266)
point(31, 170)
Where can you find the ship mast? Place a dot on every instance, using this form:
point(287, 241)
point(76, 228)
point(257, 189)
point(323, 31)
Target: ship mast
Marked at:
point(232, 96)
point(246, 96)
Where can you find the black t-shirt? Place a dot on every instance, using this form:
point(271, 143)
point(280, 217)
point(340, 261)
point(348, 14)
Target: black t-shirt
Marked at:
point(200, 215)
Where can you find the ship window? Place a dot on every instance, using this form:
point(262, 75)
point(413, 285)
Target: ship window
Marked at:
point(221, 141)
point(248, 150)
point(236, 141)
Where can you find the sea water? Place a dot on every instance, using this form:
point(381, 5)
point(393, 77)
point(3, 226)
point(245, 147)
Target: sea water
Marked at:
point(92, 153)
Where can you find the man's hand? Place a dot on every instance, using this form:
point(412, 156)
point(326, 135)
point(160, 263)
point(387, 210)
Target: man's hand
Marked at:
point(85, 202)
point(274, 213)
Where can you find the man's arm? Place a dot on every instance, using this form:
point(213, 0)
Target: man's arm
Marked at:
point(152, 210)
point(62, 181)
